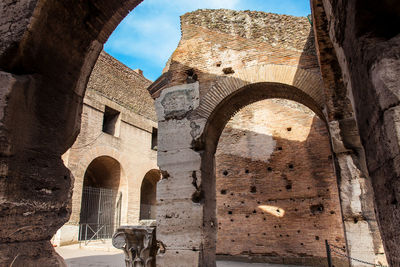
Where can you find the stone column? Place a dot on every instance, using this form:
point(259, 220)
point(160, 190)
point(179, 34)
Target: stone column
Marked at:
point(180, 197)
point(356, 195)
point(35, 186)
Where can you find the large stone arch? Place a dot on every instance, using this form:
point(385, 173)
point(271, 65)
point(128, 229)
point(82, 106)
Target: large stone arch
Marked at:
point(46, 57)
point(187, 160)
point(216, 123)
point(186, 156)
point(90, 156)
point(246, 95)
point(306, 81)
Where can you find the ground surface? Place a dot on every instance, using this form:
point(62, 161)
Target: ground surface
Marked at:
point(76, 257)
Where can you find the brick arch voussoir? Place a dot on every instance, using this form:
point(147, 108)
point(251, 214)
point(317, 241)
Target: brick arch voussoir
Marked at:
point(96, 152)
point(308, 82)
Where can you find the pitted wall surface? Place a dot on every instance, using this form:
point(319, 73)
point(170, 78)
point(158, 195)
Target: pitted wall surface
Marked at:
point(277, 200)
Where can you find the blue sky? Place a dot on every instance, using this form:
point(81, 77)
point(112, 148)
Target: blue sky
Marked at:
point(146, 38)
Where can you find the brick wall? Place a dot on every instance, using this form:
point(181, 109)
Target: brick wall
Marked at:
point(111, 85)
point(213, 40)
point(277, 195)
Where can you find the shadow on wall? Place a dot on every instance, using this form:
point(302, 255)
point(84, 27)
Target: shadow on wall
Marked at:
point(220, 97)
point(285, 205)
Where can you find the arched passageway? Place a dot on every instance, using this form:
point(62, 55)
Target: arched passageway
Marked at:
point(46, 57)
point(276, 189)
point(101, 199)
point(148, 193)
point(214, 127)
point(193, 209)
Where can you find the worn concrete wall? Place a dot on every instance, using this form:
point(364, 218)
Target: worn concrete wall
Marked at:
point(277, 195)
point(109, 85)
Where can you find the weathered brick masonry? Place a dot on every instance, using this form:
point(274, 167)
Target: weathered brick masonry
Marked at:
point(277, 196)
point(48, 50)
point(226, 60)
point(127, 152)
point(213, 40)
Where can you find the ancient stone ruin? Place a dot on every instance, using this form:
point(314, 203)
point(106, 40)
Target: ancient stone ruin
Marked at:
point(310, 105)
point(113, 160)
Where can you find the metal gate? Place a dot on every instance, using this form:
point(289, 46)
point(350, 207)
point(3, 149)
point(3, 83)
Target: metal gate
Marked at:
point(100, 213)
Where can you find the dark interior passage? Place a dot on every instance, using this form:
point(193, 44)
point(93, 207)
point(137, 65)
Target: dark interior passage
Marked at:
point(148, 193)
point(101, 201)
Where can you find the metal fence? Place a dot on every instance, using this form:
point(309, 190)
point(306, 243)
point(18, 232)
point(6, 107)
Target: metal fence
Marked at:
point(341, 252)
point(100, 213)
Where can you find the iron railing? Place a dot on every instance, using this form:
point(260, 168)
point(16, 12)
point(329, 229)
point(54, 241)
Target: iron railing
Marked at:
point(341, 252)
point(100, 213)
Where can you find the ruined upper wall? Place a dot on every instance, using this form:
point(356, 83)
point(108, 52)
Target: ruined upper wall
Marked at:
point(122, 85)
point(285, 31)
point(217, 44)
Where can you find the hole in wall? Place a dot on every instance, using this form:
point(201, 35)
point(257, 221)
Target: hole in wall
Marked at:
point(228, 70)
point(225, 172)
point(269, 169)
point(315, 209)
point(191, 76)
point(253, 189)
point(289, 129)
point(223, 192)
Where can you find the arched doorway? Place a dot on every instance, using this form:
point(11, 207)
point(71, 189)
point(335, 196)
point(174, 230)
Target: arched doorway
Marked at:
point(91, 26)
point(277, 199)
point(148, 193)
point(101, 199)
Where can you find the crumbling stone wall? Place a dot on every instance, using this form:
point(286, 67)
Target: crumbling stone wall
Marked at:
point(111, 84)
point(222, 42)
point(48, 50)
point(277, 195)
point(359, 45)
point(219, 67)
point(47, 54)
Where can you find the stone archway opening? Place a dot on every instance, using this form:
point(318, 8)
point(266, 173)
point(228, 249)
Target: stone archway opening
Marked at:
point(277, 198)
point(148, 194)
point(311, 206)
point(41, 58)
point(101, 199)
